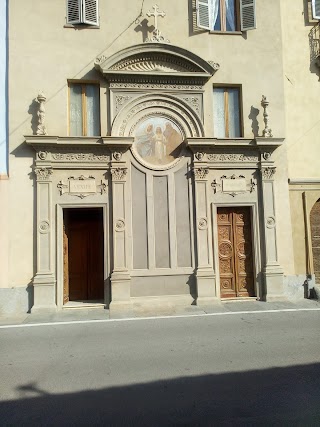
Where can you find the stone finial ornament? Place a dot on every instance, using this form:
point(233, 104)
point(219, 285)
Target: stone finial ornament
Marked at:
point(157, 36)
point(41, 128)
point(267, 132)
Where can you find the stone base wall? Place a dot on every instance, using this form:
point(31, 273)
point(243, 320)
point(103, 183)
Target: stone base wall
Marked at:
point(14, 301)
point(297, 287)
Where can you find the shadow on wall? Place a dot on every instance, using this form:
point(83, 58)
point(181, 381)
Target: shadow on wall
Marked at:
point(33, 111)
point(278, 396)
point(145, 29)
point(30, 296)
point(253, 116)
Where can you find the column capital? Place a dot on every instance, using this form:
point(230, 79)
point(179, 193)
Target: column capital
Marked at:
point(44, 173)
point(200, 173)
point(267, 173)
point(119, 173)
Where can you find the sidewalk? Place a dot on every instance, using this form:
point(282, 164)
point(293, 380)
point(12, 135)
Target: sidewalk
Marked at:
point(91, 314)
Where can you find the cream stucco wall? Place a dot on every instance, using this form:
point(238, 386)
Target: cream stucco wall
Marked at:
point(301, 92)
point(44, 54)
point(301, 82)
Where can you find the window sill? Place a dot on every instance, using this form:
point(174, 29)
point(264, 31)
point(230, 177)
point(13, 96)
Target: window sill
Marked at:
point(227, 33)
point(82, 26)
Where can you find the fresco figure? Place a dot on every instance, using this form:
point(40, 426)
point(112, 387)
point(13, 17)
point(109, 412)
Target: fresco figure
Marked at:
point(159, 145)
point(157, 140)
point(145, 147)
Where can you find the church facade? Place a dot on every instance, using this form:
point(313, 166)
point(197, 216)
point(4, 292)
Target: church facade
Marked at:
point(150, 157)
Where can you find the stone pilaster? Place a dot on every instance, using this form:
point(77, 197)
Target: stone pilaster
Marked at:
point(272, 271)
point(44, 281)
point(205, 275)
point(120, 277)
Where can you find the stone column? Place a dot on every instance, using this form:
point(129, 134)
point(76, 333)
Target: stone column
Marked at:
point(205, 275)
point(272, 271)
point(44, 281)
point(120, 277)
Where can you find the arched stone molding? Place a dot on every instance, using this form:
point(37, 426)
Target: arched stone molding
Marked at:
point(156, 104)
point(157, 59)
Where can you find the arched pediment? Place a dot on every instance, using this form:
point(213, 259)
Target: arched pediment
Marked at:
point(155, 59)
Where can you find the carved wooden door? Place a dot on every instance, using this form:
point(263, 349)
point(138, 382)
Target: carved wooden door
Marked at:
point(315, 236)
point(235, 252)
point(65, 266)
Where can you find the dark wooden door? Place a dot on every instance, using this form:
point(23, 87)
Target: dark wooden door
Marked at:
point(315, 236)
point(83, 255)
point(235, 252)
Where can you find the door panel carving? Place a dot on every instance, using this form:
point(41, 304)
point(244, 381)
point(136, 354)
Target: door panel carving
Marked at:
point(235, 252)
point(315, 236)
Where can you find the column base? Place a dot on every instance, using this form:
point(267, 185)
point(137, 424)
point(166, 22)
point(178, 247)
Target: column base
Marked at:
point(120, 286)
point(206, 284)
point(44, 294)
point(274, 286)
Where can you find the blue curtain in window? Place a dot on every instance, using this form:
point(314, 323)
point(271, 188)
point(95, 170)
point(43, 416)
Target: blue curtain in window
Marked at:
point(215, 7)
point(230, 15)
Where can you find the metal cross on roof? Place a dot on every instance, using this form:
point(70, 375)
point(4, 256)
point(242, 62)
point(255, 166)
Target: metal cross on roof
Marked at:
point(156, 13)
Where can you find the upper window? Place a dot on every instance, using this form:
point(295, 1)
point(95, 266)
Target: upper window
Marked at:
point(226, 15)
point(316, 9)
point(82, 12)
point(226, 112)
point(84, 109)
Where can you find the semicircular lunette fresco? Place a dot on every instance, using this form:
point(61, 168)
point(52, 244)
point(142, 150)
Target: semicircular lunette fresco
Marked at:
point(158, 141)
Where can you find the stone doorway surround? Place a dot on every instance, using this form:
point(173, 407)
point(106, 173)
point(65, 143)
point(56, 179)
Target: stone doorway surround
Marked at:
point(70, 173)
point(236, 172)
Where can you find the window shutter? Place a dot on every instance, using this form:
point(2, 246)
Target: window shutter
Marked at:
point(74, 11)
point(90, 12)
point(316, 9)
point(248, 14)
point(204, 14)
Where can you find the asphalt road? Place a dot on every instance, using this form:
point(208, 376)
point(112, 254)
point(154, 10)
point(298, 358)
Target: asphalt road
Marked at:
point(244, 369)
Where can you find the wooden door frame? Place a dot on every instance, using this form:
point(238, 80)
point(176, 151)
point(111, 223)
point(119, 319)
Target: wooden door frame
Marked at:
point(59, 245)
point(255, 227)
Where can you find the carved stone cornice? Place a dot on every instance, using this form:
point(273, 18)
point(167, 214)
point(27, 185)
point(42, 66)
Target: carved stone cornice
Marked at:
point(118, 144)
point(119, 174)
point(155, 60)
point(157, 84)
point(80, 151)
point(261, 143)
point(43, 174)
point(232, 157)
point(237, 152)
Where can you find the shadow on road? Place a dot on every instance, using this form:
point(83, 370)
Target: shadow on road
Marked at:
point(279, 396)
